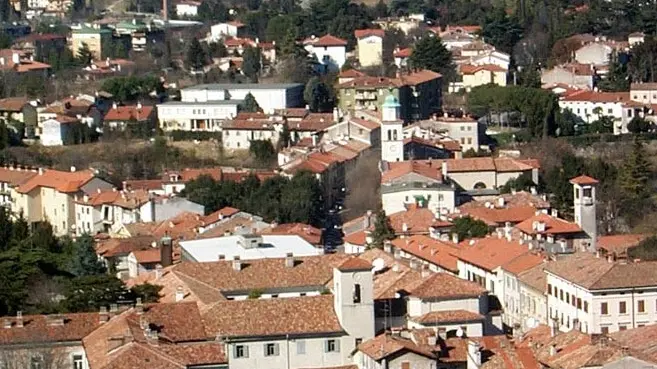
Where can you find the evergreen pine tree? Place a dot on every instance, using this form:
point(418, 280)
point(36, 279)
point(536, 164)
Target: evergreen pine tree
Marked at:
point(382, 229)
point(430, 53)
point(636, 173)
point(250, 104)
point(196, 56)
point(85, 261)
point(85, 56)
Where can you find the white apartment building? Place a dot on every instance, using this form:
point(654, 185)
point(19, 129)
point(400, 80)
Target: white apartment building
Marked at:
point(645, 93)
point(187, 8)
point(515, 302)
point(196, 116)
point(11, 177)
point(599, 295)
point(224, 30)
point(108, 210)
point(238, 134)
point(592, 105)
point(330, 51)
point(270, 96)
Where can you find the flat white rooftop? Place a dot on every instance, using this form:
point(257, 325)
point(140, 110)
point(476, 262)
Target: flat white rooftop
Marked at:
point(247, 247)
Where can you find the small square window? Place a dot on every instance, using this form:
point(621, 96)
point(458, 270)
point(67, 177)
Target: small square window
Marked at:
point(604, 330)
point(271, 349)
point(332, 346)
point(241, 351)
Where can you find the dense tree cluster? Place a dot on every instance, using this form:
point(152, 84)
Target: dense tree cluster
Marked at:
point(40, 273)
point(468, 227)
point(623, 193)
point(131, 88)
point(298, 199)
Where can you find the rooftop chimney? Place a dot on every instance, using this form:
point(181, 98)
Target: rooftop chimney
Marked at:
point(237, 263)
point(387, 246)
point(221, 257)
point(139, 306)
point(103, 315)
point(455, 238)
point(180, 294)
point(19, 318)
point(6, 323)
point(166, 251)
point(289, 260)
point(158, 271)
point(55, 319)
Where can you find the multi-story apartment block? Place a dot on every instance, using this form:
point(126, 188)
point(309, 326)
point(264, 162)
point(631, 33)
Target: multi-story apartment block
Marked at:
point(370, 46)
point(12, 177)
point(418, 93)
point(95, 37)
point(50, 196)
point(595, 294)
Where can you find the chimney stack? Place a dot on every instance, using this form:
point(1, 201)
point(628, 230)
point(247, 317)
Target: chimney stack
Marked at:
point(19, 318)
point(166, 251)
point(180, 294)
point(221, 257)
point(139, 306)
point(103, 315)
point(237, 263)
point(158, 271)
point(289, 260)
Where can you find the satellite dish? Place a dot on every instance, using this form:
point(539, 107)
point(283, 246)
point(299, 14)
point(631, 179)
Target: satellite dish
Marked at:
point(459, 333)
point(378, 264)
point(531, 323)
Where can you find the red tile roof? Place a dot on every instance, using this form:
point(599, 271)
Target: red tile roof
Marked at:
point(123, 246)
point(13, 104)
point(365, 123)
point(143, 184)
point(553, 226)
point(66, 182)
point(42, 328)
point(499, 216)
point(357, 238)
point(309, 233)
point(447, 286)
point(148, 256)
point(124, 199)
point(403, 53)
point(351, 73)
point(523, 263)
point(325, 41)
point(619, 243)
point(417, 220)
point(447, 317)
point(24, 64)
point(294, 315)
point(600, 97)
point(362, 33)
point(491, 252)
point(472, 69)
point(595, 273)
point(354, 264)
point(437, 252)
point(385, 345)
point(425, 169)
point(16, 176)
point(584, 180)
point(126, 113)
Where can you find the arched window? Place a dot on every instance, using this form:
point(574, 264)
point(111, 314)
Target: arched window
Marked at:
point(479, 186)
point(394, 135)
point(389, 135)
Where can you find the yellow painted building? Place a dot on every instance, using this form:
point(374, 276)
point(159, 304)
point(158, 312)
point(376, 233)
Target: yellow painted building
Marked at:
point(96, 38)
point(477, 75)
point(370, 46)
point(50, 195)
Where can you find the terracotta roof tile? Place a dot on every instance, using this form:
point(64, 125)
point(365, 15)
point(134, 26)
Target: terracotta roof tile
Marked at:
point(326, 40)
point(619, 243)
point(440, 253)
point(24, 65)
point(417, 220)
point(446, 286)
point(143, 184)
point(294, 315)
point(553, 225)
point(584, 180)
point(535, 278)
point(131, 112)
point(362, 33)
point(472, 69)
point(309, 233)
point(499, 216)
point(365, 123)
point(263, 274)
point(490, 252)
point(14, 104)
point(354, 264)
point(148, 256)
point(41, 328)
point(351, 73)
point(66, 182)
point(357, 238)
point(401, 168)
point(14, 176)
point(523, 263)
point(385, 345)
point(448, 316)
point(395, 276)
point(602, 97)
point(124, 199)
point(403, 53)
point(123, 246)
